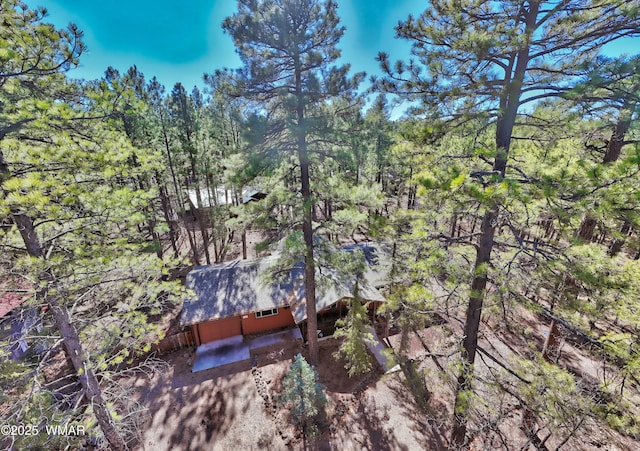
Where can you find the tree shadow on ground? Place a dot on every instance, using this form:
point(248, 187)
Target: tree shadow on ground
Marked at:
point(427, 416)
point(372, 419)
point(191, 416)
point(190, 410)
point(332, 373)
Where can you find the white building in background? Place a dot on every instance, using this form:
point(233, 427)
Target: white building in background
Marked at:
point(222, 196)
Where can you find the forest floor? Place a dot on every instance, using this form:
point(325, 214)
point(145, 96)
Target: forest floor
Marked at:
point(224, 408)
point(233, 407)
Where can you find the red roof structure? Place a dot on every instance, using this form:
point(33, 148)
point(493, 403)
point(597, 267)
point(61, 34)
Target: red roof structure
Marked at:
point(13, 293)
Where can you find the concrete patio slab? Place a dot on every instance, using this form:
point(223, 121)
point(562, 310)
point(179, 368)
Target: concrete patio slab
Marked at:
point(237, 349)
point(220, 352)
point(278, 338)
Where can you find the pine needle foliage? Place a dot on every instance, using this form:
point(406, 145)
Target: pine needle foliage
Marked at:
point(355, 330)
point(303, 396)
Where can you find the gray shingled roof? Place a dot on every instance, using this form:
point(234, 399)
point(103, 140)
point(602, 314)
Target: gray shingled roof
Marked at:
point(239, 287)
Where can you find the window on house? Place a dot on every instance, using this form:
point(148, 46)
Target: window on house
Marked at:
point(270, 312)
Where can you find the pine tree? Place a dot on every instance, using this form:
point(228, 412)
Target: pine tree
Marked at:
point(355, 330)
point(610, 90)
point(488, 59)
point(183, 111)
point(71, 207)
point(379, 127)
point(303, 396)
point(36, 54)
point(287, 47)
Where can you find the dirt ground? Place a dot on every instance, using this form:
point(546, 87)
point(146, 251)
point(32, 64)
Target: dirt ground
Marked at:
point(233, 408)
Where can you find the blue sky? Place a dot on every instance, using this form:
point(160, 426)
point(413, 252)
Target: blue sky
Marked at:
point(180, 40)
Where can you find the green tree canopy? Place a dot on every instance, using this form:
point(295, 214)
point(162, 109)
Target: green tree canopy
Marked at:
point(489, 60)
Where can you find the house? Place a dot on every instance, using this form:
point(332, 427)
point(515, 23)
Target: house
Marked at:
point(235, 298)
point(221, 196)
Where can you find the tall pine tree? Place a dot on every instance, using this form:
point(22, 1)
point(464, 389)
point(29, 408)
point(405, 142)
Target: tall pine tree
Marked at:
point(288, 48)
point(488, 59)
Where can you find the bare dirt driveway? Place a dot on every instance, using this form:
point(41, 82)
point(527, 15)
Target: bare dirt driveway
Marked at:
point(218, 408)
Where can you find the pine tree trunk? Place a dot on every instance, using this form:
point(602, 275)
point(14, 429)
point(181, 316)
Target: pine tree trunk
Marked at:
point(616, 142)
point(550, 348)
point(212, 190)
point(167, 211)
point(165, 137)
point(549, 229)
point(216, 256)
point(616, 246)
point(309, 263)
point(509, 104)
point(156, 238)
point(192, 153)
point(529, 427)
point(307, 225)
point(471, 327)
point(200, 213)
point(205, 235)
point(86, 376)
point(151, 222)
point(587, 228)
point(72, 345)
point(193, 244)
point(454, 221)
point(614, 149)
point(473, 224)
point(191, 233)
point(244, 244)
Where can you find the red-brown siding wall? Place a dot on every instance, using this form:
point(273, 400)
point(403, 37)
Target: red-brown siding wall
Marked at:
point(252, 325)
point(247, 324)
point(218, 329)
